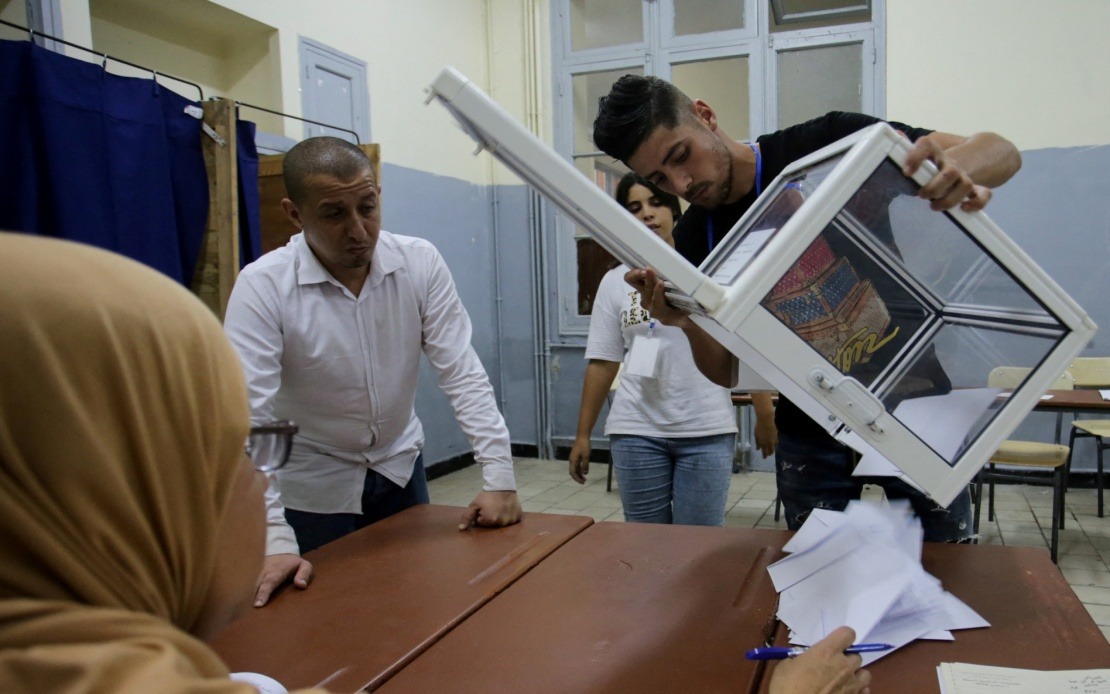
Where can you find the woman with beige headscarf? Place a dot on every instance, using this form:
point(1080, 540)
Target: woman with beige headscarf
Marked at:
point(133, 523)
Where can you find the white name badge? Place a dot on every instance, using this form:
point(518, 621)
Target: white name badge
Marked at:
point(642, 357)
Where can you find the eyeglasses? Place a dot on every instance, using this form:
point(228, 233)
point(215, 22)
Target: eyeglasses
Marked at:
point(268, 445)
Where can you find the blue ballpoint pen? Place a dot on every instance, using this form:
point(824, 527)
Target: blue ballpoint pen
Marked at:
point(779, 652)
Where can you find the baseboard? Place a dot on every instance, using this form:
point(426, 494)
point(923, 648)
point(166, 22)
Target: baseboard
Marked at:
point(524, 450)
point(597, 455)
point(519, 450)
point(446, 467)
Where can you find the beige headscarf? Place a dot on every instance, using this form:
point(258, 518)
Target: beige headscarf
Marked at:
point(122, 413)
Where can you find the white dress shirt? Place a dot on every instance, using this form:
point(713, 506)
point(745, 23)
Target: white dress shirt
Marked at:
point(344, 368)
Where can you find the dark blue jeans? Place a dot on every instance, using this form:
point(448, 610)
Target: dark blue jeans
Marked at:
point(817, 473)
point(381, 498)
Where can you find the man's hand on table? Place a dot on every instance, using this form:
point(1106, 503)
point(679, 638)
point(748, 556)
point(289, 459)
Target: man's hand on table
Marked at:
point(276, 570)
point(492, 510)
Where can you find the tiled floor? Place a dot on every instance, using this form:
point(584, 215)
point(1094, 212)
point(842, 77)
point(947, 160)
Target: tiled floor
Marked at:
point(1022, 516)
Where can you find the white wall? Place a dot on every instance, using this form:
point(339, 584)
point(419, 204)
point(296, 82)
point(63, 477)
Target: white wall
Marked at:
point(404, 45)
point(1035, 71)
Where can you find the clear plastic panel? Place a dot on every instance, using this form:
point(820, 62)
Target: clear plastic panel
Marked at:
point(772, 210)
point(905, 301)
point(944, 395)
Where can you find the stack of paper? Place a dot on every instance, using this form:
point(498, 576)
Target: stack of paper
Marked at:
point(962, 678)
point(862, 568)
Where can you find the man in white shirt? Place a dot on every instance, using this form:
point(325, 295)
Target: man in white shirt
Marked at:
point(330, 329)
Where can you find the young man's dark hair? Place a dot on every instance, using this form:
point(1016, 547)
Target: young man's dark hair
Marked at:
point(634, 107)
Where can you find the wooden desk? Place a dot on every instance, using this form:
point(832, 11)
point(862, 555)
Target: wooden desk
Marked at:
point(620, 608)
point(384, 594)
point(1037, 622)
point(1088, 401)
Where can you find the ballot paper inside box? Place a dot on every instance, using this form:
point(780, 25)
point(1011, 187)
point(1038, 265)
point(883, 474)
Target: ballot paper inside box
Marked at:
point(841, 289)
point(862, 568)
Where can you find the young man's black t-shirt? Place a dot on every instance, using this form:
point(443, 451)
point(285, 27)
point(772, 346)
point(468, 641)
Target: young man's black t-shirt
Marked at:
point(699, 229)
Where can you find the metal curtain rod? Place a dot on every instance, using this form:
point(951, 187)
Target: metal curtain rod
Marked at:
point(306, 120)
point(105, 57)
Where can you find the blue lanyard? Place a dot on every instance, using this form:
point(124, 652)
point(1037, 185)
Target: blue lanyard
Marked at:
point(758, 188)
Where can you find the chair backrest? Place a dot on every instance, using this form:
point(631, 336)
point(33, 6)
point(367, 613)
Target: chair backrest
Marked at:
point(1091, 372)
point(1010, 377)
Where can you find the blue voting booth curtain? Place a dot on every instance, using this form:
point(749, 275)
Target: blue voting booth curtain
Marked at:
point(111, 161)
point(250, 200)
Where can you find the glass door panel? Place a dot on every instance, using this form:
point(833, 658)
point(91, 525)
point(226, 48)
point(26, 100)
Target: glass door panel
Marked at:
point(602, 23)
point(704, 16)
point(814, 81)
point(723, 84)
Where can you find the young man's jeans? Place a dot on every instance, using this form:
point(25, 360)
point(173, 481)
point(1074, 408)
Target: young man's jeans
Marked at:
point(381, 498)
point(668, 480)
point(817, 473)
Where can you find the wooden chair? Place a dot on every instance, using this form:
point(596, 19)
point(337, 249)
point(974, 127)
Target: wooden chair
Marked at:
point(1091, 372)
point(1025, 454)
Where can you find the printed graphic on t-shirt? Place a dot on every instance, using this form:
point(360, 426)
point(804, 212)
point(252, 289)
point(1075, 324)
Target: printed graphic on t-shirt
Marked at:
point(635, 313)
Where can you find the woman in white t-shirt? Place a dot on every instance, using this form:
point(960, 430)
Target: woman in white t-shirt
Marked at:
point(672, 432)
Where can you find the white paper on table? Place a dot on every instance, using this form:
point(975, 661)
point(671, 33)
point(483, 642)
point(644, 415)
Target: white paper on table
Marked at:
point(819, 524)
point(964, 678)
point(788, 571)
point(862, 568)
point(1105, 394)
point(827, 598)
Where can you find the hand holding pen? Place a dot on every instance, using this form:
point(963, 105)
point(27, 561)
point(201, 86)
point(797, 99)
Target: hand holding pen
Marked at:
point(823, 668)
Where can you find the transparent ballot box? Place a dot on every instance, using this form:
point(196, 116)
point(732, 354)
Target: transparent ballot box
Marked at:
point(840, 288)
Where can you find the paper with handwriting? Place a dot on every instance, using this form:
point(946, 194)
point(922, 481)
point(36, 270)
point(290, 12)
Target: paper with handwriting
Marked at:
point(965, 678)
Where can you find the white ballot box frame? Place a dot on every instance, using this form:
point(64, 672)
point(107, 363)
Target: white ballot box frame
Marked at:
point(732, 311)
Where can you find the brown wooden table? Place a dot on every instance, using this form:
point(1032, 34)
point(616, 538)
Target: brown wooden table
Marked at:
point(386, 593)
point(1088, 401)
point(619, 608)
point(1037, 622)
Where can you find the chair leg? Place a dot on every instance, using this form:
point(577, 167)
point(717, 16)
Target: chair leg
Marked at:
point(1098, 481)
point(778, 507)
point(1067, 469)
point(978, 499)
point(609, 476)
point(990, 494)
point(1057, 509)
point(1071, 447)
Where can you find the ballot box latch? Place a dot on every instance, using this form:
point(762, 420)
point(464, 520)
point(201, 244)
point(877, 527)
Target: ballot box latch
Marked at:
point(853, 401)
